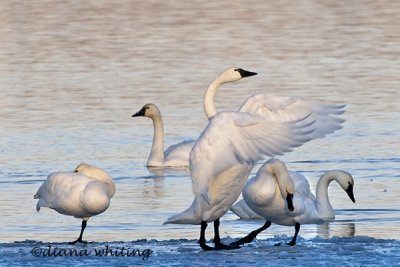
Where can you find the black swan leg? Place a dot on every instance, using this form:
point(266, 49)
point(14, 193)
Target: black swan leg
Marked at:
point(297, 229)
point(79, 240)
point(202, 240)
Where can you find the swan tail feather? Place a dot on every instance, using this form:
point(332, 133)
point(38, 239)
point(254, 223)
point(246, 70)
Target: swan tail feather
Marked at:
point(188, 216)
point(243, 211)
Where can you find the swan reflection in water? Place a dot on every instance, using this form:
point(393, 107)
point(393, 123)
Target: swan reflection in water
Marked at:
point(165, 171)
point(331, 229)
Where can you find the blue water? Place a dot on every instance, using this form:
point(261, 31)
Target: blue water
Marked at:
point(72, 74)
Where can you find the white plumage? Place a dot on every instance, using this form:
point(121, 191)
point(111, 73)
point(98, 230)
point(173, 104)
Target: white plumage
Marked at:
point(232, 142)
point(84, 193)
point(279, 108)
point(178, 155)
point(268, 195)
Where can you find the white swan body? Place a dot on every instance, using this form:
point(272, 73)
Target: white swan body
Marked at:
point(266, 195)
point(227, 149)
point(84, 193)
point(176, 155)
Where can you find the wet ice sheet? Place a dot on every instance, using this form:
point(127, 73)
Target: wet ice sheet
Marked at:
point(336, 251)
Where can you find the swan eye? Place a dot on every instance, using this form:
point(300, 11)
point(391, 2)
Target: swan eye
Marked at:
point(75, 170)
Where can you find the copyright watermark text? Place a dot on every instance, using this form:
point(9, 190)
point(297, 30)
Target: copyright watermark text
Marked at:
point(106, 251)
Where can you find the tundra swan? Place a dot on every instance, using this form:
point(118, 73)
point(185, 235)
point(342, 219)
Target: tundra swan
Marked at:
point(83, 193)
point(266, 195)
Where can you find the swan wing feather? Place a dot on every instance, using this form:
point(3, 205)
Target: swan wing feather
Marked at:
point(277, 108)
point(237, 138)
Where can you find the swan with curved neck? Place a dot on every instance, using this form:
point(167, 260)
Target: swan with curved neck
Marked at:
point(264, 195)
point(229, 75)
point(324, 207)
point(176, 155)
point(84, 193)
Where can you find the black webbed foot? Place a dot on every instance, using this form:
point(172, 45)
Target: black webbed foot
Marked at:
point(78, 241)
point(291, 243)
point(247, 239)
point(206, 247)
point(221, 246)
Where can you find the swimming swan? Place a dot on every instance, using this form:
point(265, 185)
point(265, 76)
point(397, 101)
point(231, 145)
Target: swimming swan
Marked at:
point(176, 155)
point(274, 189)
point(83, 193)
point(225, 152)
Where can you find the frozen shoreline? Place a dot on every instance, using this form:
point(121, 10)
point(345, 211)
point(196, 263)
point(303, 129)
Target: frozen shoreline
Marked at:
point(336, 251)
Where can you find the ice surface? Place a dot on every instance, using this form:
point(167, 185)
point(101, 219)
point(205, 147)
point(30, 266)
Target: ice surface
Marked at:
point(336, 251)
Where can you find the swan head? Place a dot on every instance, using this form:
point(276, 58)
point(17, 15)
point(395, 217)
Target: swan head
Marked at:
point(350, 193)
point(93, 172)
point(278, 169)
point(149, 110)
point(235, 74)
point(346, 181)
point(286, 186)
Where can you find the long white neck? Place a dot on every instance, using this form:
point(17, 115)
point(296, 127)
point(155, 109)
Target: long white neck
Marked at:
point(278, 169)
point(324, 207)
point(156, 156)
point(208, 103)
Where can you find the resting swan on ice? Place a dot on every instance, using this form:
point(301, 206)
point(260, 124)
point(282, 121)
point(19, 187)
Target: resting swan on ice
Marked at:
point(84, 193)
point(231, 143)
point(284, 197)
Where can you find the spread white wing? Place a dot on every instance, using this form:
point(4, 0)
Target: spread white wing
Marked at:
point(238, 137)
point(277, 108)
